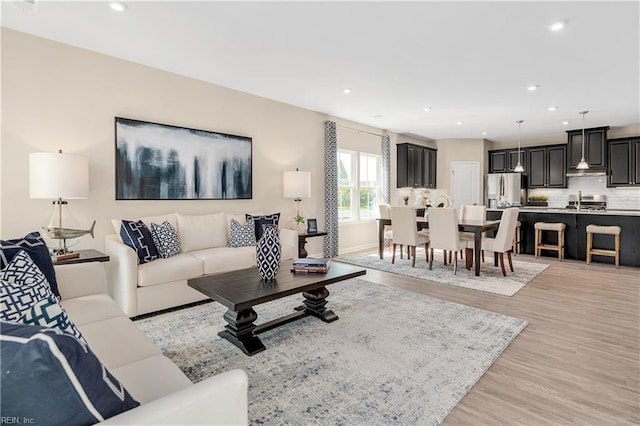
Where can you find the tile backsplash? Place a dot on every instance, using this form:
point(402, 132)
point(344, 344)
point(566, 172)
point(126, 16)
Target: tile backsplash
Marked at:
point(617, 198)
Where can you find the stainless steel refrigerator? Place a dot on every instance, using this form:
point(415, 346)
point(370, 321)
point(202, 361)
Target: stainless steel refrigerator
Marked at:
point(505, 190)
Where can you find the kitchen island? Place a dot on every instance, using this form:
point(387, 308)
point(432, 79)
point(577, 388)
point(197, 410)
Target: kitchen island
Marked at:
point(576, 233)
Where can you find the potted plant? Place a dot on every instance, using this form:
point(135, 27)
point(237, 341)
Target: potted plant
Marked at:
point(538, 200)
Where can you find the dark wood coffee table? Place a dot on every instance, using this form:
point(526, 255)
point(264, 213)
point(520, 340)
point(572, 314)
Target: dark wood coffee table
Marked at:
point(241, 290)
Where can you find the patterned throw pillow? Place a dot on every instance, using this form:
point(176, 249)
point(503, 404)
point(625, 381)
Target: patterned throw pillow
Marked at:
point(242, 236)
point(137, 236)
point(271, 219)
point(166, 239)
point(36, 248)
point(50, 377)
point(49, 313)
point(22, 285)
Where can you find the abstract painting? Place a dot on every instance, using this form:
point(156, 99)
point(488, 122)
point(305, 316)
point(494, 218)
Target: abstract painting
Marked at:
point(163, 162)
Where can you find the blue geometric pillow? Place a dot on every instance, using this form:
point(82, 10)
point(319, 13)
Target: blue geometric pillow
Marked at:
point(37, 249)
point(270, 219)
point(22, 284)
point(166, 239)
point(242, 236)
point(50, 377)
point(137, 236)
point(49, 313)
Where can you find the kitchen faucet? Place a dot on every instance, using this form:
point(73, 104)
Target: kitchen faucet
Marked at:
point(579, 199)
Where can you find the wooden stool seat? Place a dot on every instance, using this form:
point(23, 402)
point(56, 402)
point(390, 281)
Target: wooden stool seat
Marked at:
point(516, 239)
point(549, 226)
point(604, 230)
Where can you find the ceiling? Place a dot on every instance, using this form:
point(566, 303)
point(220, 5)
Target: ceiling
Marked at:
point(467, 61)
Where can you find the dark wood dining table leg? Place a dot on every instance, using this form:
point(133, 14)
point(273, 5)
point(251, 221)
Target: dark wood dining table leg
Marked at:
point(477, 248)
point(381, 239)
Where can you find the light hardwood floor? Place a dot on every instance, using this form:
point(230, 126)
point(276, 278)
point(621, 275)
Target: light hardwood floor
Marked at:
point(578, 360)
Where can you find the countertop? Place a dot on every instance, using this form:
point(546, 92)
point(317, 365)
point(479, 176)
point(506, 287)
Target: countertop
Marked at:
point(608, 212)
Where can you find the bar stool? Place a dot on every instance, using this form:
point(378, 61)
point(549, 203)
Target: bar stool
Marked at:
point(548, 226)
point(606, 230)
point(516, 239)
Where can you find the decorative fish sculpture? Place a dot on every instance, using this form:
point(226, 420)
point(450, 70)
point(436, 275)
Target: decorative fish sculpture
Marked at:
point(66, 233)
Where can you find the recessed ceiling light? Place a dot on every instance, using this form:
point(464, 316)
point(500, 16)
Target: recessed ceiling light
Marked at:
point(346, 91)
point(459, 123)
point(484, 133)
point(118, 6)
point(426, 109)
point(564, 123)
point(557, 26)
point(552, 108)
point(533, 88)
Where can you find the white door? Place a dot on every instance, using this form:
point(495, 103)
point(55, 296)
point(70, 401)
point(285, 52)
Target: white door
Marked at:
point(465, 183)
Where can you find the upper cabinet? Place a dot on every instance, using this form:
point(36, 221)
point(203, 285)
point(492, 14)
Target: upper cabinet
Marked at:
point(547, 166)
point(416, 166)
point(595, 148)
point(624, 162)
point(505, 160)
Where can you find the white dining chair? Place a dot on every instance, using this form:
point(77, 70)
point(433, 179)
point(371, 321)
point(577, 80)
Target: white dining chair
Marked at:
point(502, 243)
point(472, 212)
point(444, 235)
point(405, 232)
point(384, 212)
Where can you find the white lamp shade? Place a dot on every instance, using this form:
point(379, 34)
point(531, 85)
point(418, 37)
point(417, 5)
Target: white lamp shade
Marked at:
point(57, 175)
point(297, 184)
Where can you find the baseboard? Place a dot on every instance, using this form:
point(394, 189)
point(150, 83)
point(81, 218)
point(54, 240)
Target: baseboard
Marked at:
point(358, 248)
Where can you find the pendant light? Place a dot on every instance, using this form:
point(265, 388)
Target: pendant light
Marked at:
point(582, 165)
point(519, 168)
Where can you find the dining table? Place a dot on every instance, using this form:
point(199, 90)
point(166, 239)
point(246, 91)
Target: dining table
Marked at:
point(476, 227)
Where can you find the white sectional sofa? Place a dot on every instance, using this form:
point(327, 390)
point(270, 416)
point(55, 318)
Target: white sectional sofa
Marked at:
point(165, 394)
point(161, 284)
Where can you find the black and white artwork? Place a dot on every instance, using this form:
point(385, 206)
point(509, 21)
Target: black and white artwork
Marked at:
point(162, 162)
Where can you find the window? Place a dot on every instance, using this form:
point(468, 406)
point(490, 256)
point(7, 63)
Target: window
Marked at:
point(359, 180)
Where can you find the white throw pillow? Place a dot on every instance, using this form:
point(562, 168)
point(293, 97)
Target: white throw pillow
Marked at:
point(240, 218)
point(200, 232)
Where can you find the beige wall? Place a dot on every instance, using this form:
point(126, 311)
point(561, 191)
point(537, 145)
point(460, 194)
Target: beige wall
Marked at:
point(55, 96)
point(450, 150)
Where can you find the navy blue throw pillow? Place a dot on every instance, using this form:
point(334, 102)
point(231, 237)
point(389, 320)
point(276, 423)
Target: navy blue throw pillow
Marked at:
point(270, 219)
point(36, 248)
point(51, 377)
point(137, 236)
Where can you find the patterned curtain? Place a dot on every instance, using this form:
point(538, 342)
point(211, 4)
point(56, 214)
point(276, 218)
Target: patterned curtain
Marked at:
point(330, 189)
point(386, 169)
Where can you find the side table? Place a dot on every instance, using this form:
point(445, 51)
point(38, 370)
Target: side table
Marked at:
point(302, 240)
point(89, 255)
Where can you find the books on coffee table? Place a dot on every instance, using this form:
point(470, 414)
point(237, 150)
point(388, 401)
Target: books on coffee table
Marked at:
point(308, 264)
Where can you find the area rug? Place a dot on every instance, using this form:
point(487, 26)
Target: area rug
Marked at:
point(490, 279)
point(393, 357)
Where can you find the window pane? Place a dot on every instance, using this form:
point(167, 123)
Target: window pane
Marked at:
point(345, 168)
point(368, 203)
point(345, 210)
point(369, 171)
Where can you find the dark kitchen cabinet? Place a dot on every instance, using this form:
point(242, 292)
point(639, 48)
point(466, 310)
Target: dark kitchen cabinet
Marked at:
point(416, 166)
point(595, 148)
point(547, 166)
point(504, 161)
point(623, 168)
point(497, 161)
point(429, 168)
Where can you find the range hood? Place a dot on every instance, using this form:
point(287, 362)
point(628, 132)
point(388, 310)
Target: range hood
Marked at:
point(581, 173)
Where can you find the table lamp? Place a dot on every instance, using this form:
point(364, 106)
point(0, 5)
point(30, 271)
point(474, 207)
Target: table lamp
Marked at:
point(297, 185)
point(59, 176)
